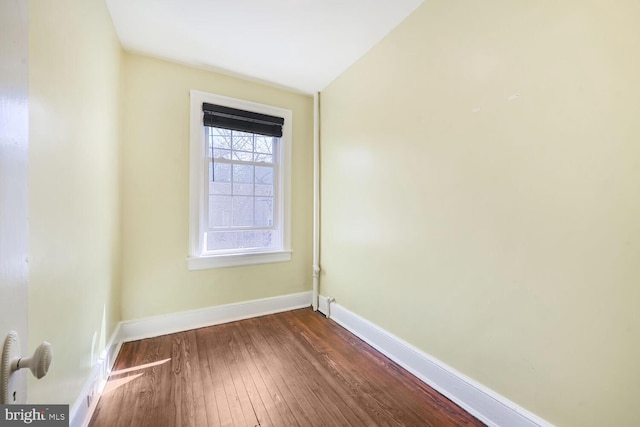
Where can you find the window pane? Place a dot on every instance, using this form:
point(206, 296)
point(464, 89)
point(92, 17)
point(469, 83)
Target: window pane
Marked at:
point(220, 131)
point(264, 181)
point(242, 141)
point(264, 144)
point(241, 239)
point(240, 189)
point(243, 174)
point(265, 158)
point(256, 239)
point(264, 190)
point(268, 238)
point(221, 154)
point(221, 172)
point(264, 175)
point(221, 240)
point(243, 156)
point(264, 211)
point(220, 188)
point(221, 141)
point(219, 211)
point(241, 196)
point(242, 211)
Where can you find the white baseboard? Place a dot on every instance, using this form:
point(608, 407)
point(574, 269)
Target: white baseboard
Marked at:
point(481, 402)
point(82, 409)
point(131, 330)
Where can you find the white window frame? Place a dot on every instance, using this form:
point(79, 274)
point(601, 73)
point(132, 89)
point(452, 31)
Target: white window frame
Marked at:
point(198, 176)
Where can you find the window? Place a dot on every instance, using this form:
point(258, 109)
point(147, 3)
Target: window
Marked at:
point(240, 182)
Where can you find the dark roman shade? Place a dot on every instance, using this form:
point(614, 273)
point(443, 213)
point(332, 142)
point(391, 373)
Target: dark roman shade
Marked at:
point(241, 120)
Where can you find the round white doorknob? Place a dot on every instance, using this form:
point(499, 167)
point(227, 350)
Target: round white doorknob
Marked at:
point(38, 363)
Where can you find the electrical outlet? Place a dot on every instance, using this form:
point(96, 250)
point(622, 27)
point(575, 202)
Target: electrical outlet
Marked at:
point(92, 394)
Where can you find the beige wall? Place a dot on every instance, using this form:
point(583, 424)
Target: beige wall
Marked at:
point(504, 241)
point(77, 71)
point(74, 88)
point(155, 208)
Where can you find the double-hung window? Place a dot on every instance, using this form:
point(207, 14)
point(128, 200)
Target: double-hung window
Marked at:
point(240, 169)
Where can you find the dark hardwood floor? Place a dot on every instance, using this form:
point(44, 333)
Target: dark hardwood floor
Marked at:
point(289, 369)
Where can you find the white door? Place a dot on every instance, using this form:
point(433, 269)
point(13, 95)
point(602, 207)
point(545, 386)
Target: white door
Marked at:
point(14, 129)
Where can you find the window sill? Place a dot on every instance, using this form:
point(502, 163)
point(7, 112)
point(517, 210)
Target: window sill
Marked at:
point(234, 260)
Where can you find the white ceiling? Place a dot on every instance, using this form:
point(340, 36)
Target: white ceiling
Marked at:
point(299, 44)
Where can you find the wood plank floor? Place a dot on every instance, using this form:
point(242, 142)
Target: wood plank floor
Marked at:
point(289, 369)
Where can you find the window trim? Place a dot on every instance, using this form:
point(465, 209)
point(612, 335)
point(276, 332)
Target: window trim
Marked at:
point(198, 174)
